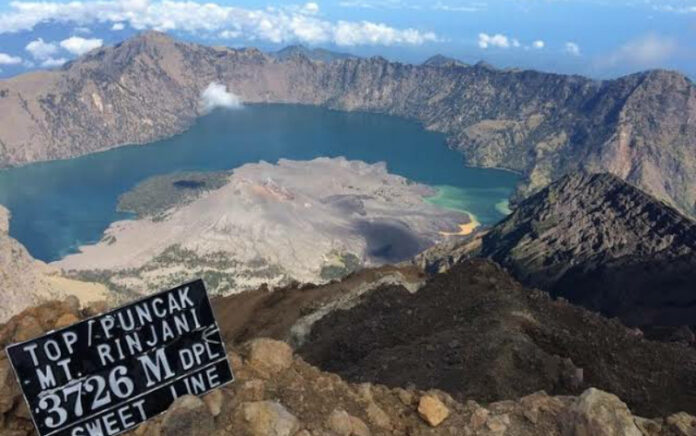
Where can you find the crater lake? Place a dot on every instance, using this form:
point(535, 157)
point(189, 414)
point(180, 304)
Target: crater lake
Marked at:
point(59, 205)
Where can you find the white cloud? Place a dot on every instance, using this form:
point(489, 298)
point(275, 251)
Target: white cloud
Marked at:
point(365, 32)
point(500, 40)
point(278, 25)
point(230, 34)
point(216, 95)
point(572, 48)
point(52, 62)
point(118, 26)
point(311, 8)
point(417, 5)
point(41, 50)
point(497, 40)
point(6, 59)
point(645, 52)
point(466, 8)
point(676, 9)
point(79, 46)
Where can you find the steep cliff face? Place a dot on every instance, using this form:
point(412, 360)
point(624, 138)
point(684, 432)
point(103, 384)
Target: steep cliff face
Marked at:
point(600, 242)
point(640, 127)
point(21, 283)
point(25, 281)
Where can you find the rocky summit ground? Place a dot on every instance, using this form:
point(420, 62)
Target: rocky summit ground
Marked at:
point(277, 393)
point(477, 333)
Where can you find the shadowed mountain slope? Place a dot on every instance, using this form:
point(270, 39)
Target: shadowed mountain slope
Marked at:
point(477, 333)
point(640, 127)
point(603, 244)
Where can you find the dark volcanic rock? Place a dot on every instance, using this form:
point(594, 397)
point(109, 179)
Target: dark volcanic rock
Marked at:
point(478, 334)
point(604, 244)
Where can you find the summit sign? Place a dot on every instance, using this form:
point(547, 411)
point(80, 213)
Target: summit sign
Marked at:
point(107, 374)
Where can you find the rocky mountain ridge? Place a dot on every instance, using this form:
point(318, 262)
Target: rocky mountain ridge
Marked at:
point(604, 244)
point(315, 54)
point(640, 127)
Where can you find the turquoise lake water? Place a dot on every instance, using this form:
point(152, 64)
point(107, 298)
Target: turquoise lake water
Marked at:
point(58, 206)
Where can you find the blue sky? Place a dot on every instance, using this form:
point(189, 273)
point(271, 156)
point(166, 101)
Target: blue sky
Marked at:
point(597, 38)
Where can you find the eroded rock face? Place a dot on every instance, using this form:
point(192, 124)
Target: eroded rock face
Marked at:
point(188, 415)
point(268, 418)
point(268, 356)
point(599, 413)
point(604, 244)
point(214, 402)
point(640, 127)
point(25, 281)
point(343, 424)
point(432, 410)
point(4, 220)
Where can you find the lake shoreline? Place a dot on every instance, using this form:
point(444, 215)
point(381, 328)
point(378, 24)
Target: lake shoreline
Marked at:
point(81, 194)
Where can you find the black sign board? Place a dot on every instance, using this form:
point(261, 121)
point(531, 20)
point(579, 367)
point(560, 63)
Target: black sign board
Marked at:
point(107, 374)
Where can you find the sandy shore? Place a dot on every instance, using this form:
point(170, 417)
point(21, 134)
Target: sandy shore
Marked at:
point(465, 229)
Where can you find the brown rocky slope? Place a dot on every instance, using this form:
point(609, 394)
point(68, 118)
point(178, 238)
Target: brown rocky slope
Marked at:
point(477, 333)
point(277, 394)
point(640, 127)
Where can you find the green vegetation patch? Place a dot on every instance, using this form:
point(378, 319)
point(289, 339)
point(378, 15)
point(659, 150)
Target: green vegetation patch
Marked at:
point(176, 265)
point(154, 196)
point(341, 266)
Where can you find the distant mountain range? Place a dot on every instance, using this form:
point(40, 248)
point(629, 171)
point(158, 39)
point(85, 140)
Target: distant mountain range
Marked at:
point(641, 127)
point(443, 61)
point(315, 54)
